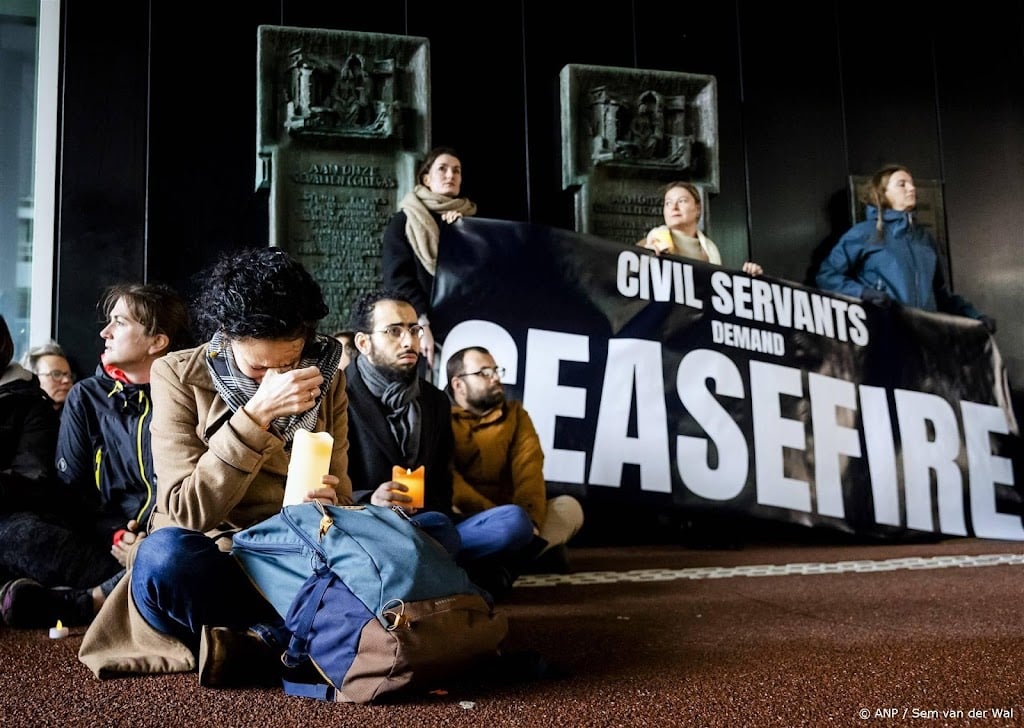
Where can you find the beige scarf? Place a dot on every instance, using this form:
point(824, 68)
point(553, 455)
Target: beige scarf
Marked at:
point(420, 227)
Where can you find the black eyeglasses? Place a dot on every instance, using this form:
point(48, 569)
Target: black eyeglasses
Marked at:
point(395, 331)
point(58, 375)
point(486, 372)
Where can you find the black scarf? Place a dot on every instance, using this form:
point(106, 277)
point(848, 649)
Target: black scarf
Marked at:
point(236, 389)
point(402, 401)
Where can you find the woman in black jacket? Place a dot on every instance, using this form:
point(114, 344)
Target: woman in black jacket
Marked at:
point(409, 254)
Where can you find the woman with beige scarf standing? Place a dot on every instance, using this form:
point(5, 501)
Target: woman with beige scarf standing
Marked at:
point(409, 255)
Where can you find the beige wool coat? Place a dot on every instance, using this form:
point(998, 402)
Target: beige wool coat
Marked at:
point(217, 472)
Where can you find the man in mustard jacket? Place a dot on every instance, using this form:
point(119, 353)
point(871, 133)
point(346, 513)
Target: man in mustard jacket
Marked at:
point(498, 457)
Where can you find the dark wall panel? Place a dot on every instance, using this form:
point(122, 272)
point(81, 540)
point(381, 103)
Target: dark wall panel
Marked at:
point(588, 35)
point(158, 127)
point(103, 170)
point(888, 87)
point(379, 16)
point(794, 135)
point(202, 197)
point(981, 109)
point(707, 44)
point(477, 98)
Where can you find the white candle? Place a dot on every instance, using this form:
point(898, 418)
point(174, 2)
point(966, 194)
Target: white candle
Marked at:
point(310, 461)
point(59, 632)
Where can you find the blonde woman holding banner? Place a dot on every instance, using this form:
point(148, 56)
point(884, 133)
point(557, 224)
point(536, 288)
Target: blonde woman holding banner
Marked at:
point(680, 234)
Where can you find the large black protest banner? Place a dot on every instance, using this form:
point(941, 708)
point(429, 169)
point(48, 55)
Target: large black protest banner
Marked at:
point(673, 382)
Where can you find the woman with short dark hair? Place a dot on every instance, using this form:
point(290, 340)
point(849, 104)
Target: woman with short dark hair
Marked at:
point(225, 414)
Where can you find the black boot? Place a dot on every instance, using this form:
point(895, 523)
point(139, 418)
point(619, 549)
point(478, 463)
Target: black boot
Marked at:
point(231, 658)
point(27, 604)
point(553, 561)
point(492, 576)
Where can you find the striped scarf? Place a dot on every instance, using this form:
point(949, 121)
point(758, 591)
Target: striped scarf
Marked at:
point(235, 388)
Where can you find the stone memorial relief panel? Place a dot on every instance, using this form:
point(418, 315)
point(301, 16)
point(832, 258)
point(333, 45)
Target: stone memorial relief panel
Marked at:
point(627, 132)
point(342, 118)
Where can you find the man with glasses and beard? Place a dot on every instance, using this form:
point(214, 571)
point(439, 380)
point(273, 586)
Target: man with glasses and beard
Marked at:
point(397, 418)
point(499, 460)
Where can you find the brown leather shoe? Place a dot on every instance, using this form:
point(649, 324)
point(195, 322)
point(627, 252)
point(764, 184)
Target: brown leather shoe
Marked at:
point(232, 659)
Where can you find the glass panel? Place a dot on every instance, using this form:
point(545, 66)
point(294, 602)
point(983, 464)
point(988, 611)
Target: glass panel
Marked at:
point(29, 56)
point(18, 24)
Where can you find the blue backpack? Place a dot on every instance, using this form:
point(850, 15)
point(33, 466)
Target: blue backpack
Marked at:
point(373, 603)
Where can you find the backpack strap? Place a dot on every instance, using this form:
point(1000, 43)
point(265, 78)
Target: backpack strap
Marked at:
point(298, 647)
point(321, 691)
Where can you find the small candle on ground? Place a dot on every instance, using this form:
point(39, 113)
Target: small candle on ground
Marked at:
point(59, 632)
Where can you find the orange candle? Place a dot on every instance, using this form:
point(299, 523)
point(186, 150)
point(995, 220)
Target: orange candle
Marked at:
point(310, 461)
point(413, 480)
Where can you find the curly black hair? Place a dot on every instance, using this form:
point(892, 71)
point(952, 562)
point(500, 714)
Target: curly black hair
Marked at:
point(362, 311)
point(259, 293)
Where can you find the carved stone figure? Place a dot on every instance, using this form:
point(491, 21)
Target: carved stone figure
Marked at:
point(356, 98)
point(341, 120)
point(647, 130)
point(628, 131)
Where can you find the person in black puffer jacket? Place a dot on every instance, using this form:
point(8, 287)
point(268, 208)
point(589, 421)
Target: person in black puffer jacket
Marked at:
point(43, 542)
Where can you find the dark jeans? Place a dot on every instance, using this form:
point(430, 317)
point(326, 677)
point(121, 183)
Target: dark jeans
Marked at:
point(181, 581)
point(48, 549)
point(496, 532)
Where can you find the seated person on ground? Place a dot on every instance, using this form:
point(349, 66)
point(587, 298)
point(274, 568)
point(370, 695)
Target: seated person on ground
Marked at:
point(103, 450)
point(348, 347)
point(41, 544)
point(398, 418)
point(49, 362)
point(498, 457)
point(225, 414)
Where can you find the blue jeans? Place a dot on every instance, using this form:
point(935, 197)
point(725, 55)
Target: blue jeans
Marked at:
point(181, 581)
point(498, 531)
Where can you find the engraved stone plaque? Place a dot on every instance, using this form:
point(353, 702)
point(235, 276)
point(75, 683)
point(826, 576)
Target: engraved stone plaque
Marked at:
point(341, 119)
point(626, 132)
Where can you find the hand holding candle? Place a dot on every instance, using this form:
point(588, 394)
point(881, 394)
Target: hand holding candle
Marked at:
point(411, 479)
point(310, 461)
point(663, 241)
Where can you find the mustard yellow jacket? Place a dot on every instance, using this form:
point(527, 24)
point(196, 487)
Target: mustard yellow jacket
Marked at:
point(498, 460)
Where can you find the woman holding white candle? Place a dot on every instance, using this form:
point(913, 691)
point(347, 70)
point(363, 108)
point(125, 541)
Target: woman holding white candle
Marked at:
point(225, 416)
